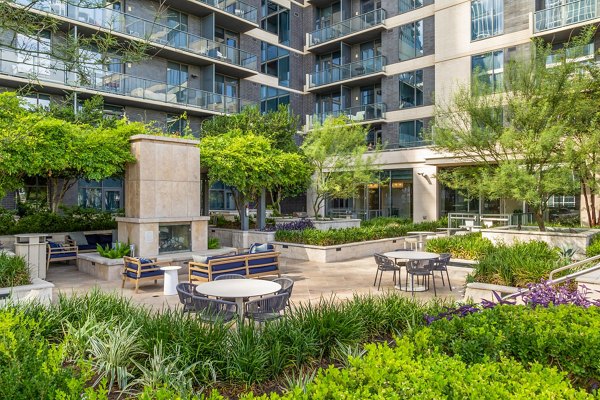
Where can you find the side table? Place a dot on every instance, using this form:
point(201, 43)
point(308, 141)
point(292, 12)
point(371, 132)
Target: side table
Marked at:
point(171, 279)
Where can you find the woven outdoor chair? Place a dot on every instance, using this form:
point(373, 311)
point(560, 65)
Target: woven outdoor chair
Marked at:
point(213, 310)
point(268, 308)
point(384, 264)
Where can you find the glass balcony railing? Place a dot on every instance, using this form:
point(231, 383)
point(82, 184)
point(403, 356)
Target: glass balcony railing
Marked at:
point(347, 27)
point(357, 114)
point(41, 67)
point(347, 71)
point(154, 32)
point(235, 7)
point(571, 13)
point(573, 54)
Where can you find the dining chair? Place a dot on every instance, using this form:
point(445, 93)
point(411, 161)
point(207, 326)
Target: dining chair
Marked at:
point(213, 310)
point(441, 265)
point(267, 308)
point(385, 264)
point(287, 285)
point(420, 268)
point(185, 291)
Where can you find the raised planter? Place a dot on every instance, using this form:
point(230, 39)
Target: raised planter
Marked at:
point(325, 224)
point(8, 241)
point(109, 269)
point(39, 291)
point(239, 239)
point(477, 291)
point(342, 252)
point(575, 238)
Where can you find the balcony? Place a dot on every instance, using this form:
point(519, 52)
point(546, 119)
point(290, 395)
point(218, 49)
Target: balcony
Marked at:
point(40, 67)
point(564, 15)
point(229, 59)
point(359, 71)
point(360, 114)
point(354, 30)
point(234, 7)
point(573, 54)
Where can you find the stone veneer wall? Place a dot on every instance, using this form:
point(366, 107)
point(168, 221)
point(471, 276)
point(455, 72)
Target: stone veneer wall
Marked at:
point(162, 187)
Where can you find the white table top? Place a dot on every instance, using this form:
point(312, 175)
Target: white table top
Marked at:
point(411, 255)
point(170, 268)
point(238, 288)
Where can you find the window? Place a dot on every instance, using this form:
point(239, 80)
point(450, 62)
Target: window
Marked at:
point(33, 54)
point(103, 195)
point(112, 111)
point(327, 16)
point(276, 19)
point(487, 18)
point(411, 40)
point(275, 61)
point(230, 41)
point(411, 133)
point(178, 22)
point(176, 124)
point(220, 197)
point(177, 76)
point(488, 70)
point(35, 100)
point(411, 89)
point(271, 98)
point(407, 5)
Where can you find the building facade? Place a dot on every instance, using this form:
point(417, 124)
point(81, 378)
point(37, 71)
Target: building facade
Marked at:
point(379, 62)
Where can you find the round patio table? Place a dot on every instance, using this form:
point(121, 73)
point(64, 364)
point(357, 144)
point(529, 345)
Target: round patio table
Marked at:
point(238, 289)
point(411, 255)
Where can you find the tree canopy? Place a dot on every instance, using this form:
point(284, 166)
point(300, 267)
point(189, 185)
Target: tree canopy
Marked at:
point(516, 134)
point(337, 152)
point(36, 144)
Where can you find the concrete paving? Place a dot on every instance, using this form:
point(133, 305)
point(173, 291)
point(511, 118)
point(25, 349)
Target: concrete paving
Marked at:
point(312, 281)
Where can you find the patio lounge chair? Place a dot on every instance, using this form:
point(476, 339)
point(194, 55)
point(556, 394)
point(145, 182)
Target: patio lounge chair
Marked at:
point(137, 269)
point(57, 252)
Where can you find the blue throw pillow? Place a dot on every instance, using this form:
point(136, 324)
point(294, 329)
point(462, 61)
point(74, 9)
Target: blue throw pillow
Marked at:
point(259, 248)
point(145, 261)
point(54, 245)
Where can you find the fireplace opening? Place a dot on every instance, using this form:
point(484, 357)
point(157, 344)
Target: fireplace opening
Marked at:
point(174, 238)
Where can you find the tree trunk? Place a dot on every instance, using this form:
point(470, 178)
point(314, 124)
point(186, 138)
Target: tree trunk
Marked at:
point(539, 218)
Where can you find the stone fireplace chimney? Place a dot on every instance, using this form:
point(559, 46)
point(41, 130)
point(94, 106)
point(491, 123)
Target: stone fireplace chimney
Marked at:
point(162, 197)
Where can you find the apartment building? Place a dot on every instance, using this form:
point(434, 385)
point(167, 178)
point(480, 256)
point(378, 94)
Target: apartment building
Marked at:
point(379, 62)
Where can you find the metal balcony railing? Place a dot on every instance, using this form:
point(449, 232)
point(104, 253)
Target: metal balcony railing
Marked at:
point(357, 114)
point(153, 31)
point(347, 71)
point(571, 13)
point(41, 67)
point(347, 27)
point(574, 54)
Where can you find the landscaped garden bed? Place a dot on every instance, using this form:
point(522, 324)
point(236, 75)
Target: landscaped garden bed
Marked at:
point(95, 343)
point(16, 284)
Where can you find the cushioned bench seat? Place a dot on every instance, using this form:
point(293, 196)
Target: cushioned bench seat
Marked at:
point(87, 243)
point(250, 265)
point(56, 252)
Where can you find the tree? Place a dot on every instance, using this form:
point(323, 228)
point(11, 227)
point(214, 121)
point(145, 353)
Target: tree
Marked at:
point(35, 144)
point(280, 128)
point(515, 135)
point(248, 163)
point(337, 150)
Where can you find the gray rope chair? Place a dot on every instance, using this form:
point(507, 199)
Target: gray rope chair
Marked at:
point(268, 308)
point(441, 265)
point(420, 268)
point(186, 290)
point(213, 310)
point(384, 264)
point(287, 285)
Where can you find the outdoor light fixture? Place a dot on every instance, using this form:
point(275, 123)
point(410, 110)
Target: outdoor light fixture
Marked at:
point(373, 185)
point(397, 185)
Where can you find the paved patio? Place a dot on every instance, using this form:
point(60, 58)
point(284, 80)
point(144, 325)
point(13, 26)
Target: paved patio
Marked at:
point(312, 281)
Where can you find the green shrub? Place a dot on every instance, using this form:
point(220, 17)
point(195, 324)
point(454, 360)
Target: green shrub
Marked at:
point(13, 271)
point(213, 243)
point(407, 372)
point(565, 336)
point(518, 264)
point(119, 251)
point(594, 248)
point(31, 367)
point(374, 231)
point(467, 247)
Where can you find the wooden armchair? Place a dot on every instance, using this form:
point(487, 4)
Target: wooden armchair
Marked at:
point(137, 269)
point(56, 252)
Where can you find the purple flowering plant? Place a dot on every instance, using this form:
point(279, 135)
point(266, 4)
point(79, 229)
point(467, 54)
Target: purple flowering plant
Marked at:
point(298, 225)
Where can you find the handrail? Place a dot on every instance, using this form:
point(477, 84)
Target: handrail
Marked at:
point(338, 73)
point(152, 31)
point(565, 278)
point(347, 27)
point(565, 14)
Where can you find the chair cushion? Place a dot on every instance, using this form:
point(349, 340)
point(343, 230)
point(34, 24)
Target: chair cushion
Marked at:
point(86, 246)
point(259, 261)
point(54, 245)
point(145, 261)
point(78, 237)
point(146, 274)
point(63, 255)
point(229, 265)
point(266, 268)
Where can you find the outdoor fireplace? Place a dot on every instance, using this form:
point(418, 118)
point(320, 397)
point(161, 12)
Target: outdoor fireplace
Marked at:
point(162, 197)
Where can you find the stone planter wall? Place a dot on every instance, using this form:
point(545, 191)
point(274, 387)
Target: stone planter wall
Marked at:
point(575, 238)
point(343, 252)
point(239, 239)
point(39, 290)
point(325, 225)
